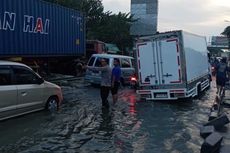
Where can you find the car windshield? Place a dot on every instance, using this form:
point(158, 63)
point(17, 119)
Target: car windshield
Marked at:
point(98, 61)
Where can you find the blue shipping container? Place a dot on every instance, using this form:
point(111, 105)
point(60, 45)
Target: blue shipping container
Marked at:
point(38, 28)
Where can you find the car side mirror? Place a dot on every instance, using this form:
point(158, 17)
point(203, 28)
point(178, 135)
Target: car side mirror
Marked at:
point(40, 80)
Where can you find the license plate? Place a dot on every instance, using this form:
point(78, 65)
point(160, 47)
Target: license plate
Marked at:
point(95, 74)
point(161, 95)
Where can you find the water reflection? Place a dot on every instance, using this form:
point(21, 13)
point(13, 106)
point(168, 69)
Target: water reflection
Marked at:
point(132, 104)
point(106, 128)
point(128, 136)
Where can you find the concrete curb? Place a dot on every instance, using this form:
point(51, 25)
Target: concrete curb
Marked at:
point(217, 121)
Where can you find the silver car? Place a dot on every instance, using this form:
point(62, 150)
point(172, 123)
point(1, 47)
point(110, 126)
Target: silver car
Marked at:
point(126, 64)
point(23, 91)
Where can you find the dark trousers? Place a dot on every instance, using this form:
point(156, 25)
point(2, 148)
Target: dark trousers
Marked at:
point(104, 95)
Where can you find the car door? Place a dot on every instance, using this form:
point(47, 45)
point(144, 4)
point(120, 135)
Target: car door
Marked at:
point(126, 69)
point(8, 93)
point(30, 92)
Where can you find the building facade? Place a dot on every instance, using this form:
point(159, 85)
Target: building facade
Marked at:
point(146, 14)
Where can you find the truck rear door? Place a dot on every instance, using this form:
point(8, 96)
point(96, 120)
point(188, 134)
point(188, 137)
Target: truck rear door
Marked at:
point(169, 61)
point(147, 65)
point(159, 62)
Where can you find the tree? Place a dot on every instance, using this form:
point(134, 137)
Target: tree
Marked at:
point(92, 9)
point(226, 32)
point(104, 26)
point(115, 28)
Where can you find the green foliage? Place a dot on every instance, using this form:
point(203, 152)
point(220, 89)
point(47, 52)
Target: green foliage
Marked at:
point(226, 32)
point(104, 26)
point(115, 29)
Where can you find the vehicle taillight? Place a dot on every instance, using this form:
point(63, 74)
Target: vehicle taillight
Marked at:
point(133, 79)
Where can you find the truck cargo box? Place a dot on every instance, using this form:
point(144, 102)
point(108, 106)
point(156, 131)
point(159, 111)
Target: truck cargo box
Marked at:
point(37, 28)
point(172, 65)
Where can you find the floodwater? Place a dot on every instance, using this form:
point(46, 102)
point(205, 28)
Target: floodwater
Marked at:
point(130, 126)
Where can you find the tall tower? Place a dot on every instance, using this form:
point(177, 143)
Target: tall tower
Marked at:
point(146, 12)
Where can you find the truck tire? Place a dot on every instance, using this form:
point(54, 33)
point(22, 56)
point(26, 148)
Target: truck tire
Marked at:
point(199, 92)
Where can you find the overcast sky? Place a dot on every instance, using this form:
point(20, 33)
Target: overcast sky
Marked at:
point(203, 17)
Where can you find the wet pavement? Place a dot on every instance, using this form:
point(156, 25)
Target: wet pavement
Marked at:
point(130, 126)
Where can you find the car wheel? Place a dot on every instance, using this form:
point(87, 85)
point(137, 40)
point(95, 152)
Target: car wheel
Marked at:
point(52, 104)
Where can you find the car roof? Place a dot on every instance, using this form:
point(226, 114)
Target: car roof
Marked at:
point(110, 55)
point(12, 63)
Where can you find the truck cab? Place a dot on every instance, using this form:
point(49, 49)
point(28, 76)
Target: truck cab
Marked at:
point(94, 47)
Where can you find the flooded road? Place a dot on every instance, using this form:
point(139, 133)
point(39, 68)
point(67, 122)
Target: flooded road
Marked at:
point(130, 126)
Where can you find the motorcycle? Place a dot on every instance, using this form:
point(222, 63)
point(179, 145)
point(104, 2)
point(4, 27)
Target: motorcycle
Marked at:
point(133, 82)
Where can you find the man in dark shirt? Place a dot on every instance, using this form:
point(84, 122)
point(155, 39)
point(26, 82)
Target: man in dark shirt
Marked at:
point(116, 75)
point(221, 76)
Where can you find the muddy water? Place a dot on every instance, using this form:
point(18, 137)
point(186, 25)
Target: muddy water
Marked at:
point(129, 126)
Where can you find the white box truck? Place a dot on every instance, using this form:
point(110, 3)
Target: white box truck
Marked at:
point(172, 65)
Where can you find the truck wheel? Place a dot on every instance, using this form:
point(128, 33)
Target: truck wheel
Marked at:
point(209, 85)
point(198, 91)
point(52, 104)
